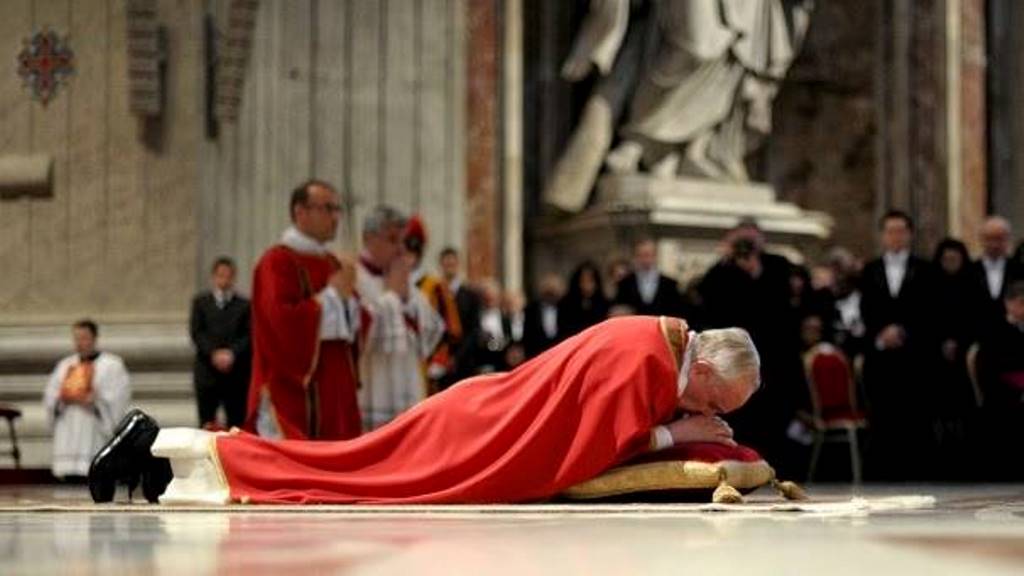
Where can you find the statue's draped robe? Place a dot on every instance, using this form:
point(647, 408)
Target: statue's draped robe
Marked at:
point(715, 72)
point(710, 70)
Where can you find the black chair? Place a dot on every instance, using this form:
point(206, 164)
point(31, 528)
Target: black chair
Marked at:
point(11, 414)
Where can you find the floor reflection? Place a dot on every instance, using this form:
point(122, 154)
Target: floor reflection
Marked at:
point(972, 530)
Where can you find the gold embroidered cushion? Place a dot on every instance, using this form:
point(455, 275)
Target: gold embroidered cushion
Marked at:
point(687, 472)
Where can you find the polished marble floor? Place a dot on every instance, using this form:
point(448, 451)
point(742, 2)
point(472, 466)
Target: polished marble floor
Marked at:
point(976, 530)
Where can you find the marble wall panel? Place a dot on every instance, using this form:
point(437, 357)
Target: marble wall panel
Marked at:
point(15, 138)
point(361, 94)
point(116, 239)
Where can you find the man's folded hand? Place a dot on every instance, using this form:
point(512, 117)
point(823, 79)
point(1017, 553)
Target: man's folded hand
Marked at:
point(700, 428)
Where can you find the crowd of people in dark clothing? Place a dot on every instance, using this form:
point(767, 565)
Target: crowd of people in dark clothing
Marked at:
point(935, 348)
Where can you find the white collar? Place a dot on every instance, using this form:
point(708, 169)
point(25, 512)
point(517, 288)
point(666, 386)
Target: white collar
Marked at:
point(993, 262)
point(300, 242)
point(684, 370)
point(896, 257)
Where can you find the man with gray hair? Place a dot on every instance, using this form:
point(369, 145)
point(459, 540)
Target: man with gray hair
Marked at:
point(594, 401)
point(994, 271)
point(400, 327)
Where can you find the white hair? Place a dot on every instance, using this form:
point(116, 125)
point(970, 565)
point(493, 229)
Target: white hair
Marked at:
point(381, 217)
point(997, 222)
point(730, 351)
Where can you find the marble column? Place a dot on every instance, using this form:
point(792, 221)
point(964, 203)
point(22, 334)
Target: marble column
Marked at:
point(966, 83)
point(483, 178)
point(512, 149)
point(930, 89)
point(909, 114)
point(1006, 120)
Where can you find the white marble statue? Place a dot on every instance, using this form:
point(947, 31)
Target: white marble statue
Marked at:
point(699, 79)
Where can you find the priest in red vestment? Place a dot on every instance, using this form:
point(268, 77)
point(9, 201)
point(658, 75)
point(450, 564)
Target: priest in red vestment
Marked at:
point(592, 402)
point(304, 323)
point(584, 406)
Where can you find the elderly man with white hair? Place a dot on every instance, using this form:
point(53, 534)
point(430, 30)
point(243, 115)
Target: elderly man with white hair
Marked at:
point(994, 271)
point(616, 390)
point(400, 329)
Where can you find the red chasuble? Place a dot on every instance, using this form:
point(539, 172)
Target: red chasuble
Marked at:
point(311, 383)
point(564, 417)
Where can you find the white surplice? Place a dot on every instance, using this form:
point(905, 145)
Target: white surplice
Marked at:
point(398, 337)
point(79, 431)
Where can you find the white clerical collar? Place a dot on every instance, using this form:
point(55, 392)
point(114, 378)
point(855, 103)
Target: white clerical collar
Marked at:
point(993, 263)
point(649, 275)
point(454, 285)
point(222, 296)
point(897, 258)
point(684, 370)
point(300, 242)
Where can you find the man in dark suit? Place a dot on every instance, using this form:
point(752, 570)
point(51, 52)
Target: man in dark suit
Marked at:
point(645, 290)
point(901, 359)
point(750, 288)
point(542, 328)
point(467, 301)
point(219, 326)
point(993, 272)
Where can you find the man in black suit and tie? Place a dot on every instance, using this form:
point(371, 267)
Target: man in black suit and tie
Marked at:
point(902, 353)
point(993, 272)
point(219, 326)
point(645, 290)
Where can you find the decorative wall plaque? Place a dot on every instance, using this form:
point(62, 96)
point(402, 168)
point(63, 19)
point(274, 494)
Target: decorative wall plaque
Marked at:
point(45, 63)
point(233, 57)
point(147, 58)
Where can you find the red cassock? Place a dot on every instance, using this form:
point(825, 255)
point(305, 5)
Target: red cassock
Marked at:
point(311, 383)
point(526, 435)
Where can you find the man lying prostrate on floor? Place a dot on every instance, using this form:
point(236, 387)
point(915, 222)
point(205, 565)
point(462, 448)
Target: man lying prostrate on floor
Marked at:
point(588, 404)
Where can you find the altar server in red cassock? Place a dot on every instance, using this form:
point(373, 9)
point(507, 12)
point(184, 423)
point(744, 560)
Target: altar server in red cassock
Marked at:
point(304, 325)
point(584, 406)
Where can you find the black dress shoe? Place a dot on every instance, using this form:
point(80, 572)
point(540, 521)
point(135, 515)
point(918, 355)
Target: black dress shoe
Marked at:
point(155, 479)
point(126, 459)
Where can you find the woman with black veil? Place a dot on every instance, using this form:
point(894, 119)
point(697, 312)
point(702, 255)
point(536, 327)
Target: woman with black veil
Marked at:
point(584, 303)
